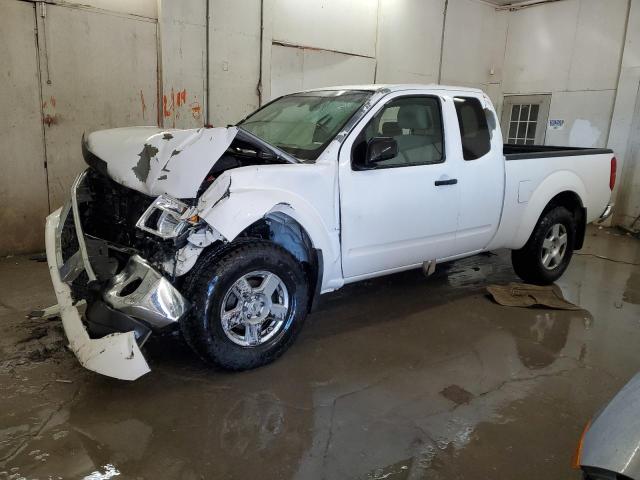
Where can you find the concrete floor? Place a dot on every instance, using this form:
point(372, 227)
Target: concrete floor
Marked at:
point(400, 378)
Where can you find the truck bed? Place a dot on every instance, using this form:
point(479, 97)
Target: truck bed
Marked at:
point(542, 172)
point(521, 152)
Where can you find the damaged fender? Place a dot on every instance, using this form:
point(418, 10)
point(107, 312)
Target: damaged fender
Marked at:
point(230, 209)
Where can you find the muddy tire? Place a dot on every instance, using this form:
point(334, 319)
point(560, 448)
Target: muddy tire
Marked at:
point(248, 305)
point(547, 253)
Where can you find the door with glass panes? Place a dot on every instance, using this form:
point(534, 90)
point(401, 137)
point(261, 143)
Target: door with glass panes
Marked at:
point(524, 119)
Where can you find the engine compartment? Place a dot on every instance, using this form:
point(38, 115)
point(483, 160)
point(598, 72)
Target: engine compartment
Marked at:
point(109, 210)
point(243, 152)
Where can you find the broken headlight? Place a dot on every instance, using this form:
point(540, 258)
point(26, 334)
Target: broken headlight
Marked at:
point(167, 217)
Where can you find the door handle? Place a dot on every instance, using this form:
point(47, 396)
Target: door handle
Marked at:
point(451, 181)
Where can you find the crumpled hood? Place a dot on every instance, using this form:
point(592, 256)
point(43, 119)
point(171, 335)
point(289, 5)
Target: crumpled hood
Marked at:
point(154, 161)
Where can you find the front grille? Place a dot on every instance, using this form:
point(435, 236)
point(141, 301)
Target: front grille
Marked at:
point(68, 238)
point(110, 210)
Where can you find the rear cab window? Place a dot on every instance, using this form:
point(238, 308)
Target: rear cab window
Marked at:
point(474, 130)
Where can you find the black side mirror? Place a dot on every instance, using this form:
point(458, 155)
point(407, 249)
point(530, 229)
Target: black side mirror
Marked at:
point(379, 149)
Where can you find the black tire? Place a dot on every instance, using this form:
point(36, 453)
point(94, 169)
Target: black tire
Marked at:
point(592, 473)
point(209, 282)
point(528, 261)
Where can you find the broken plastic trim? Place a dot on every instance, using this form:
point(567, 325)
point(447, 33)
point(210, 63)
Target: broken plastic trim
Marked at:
point(116, 355)
point(77, 184)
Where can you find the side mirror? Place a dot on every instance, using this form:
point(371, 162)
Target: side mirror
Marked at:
point(379, 149)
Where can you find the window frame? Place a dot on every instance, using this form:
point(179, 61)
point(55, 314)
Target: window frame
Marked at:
point(459, 118)
point(541, 99)
point(356, 143)
point(526, 140)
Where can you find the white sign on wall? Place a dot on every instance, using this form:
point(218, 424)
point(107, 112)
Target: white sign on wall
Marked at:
point(556, 124)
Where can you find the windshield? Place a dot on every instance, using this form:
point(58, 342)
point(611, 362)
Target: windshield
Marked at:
point(303, 124)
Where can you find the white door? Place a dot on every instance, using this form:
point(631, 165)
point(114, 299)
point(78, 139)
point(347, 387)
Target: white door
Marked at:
point(402, 211)
point(99, 70)
point(480, 174)
point(23, 181)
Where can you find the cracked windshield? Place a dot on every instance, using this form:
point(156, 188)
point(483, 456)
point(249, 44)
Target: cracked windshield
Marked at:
point(303, 124)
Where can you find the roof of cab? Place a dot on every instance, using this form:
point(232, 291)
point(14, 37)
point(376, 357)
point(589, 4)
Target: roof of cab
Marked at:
point(397, 87)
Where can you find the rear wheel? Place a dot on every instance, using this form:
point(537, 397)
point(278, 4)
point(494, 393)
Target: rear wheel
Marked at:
point(591, 473)
point(248, 305)
point(547, 253)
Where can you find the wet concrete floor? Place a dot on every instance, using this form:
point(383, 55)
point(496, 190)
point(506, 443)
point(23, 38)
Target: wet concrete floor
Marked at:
point(401, 377)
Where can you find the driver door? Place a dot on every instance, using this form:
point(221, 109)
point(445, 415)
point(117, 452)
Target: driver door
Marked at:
point(399, 212)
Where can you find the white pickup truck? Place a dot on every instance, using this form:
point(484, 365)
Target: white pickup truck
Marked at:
point(232, 233)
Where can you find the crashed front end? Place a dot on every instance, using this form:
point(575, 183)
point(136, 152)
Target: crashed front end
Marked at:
point(134, 228)
point(111, 246)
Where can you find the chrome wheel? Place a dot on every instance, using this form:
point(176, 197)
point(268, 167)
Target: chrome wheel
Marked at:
point(255, 308)
point(554, 246)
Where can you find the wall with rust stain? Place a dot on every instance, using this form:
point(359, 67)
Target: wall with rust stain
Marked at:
point(182, 31)
point(234, 56)
point(23, 183)
point(99, 71)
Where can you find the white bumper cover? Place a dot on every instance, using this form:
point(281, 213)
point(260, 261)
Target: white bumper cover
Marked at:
point(116, 355)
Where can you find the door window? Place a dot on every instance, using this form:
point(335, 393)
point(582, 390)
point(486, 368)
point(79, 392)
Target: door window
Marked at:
point(474, 131)
point(415, 123)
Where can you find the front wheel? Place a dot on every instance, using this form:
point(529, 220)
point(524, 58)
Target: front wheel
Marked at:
point(547, 253)
point(248, 305)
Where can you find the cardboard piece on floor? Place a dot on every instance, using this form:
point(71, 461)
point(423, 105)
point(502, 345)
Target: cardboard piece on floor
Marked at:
point(525, 295)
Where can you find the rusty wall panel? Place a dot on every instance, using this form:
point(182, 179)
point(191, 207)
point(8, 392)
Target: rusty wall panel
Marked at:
point(99, 70)
point(234, 60)
point(23, 187)
point(183, 33)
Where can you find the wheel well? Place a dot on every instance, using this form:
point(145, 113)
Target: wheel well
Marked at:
point(572, 202)
point(281, 229)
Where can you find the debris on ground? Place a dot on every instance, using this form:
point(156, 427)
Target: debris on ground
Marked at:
point(525, 295)
point(46, 313)
point(39, 257)
point(457, 394)
point(34, 341)
point(36, 333)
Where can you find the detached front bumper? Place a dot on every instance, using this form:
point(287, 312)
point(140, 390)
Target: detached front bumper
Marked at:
point(138, 299)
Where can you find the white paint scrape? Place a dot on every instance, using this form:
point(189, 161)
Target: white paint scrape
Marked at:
point(583, 134)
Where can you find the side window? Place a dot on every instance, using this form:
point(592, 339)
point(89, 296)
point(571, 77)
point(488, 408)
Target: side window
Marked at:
point(474, 131)
point(415, 123)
